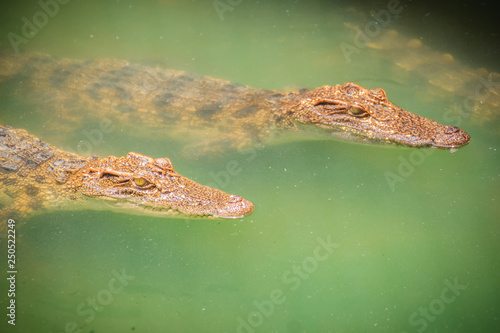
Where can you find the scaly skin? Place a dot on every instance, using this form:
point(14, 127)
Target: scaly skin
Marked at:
point(35, 175)
point(367, 115)
point(213, 113)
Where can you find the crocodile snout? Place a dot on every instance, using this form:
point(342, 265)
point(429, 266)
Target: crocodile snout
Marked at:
point(450, 137)
point(235, 207)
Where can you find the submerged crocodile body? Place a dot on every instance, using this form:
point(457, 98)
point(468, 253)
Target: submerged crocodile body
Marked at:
point(35, 175)
point(476, 91)
point(214, 114)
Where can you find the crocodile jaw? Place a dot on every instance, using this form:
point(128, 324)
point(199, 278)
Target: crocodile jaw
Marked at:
point(437, 136)
point(230, 207)
point(239, 209)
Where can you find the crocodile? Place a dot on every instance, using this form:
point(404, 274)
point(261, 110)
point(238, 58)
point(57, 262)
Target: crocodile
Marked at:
point(35, 176)
point(212, 114)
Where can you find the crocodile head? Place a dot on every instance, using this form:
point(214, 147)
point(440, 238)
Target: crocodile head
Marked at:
point(152, 185)
point(369, 116)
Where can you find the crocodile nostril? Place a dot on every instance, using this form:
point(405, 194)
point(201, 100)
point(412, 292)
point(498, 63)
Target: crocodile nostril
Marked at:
point(451, 129)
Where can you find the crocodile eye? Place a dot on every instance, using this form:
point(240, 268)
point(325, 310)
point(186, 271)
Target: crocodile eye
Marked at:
point(140, 182)
point(357, 112)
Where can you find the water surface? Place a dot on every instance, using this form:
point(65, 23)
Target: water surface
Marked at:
point(344, 237)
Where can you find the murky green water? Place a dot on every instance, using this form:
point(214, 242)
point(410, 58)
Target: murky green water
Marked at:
point(344, 238)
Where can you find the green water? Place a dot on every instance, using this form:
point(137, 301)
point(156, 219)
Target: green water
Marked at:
point(335, 243)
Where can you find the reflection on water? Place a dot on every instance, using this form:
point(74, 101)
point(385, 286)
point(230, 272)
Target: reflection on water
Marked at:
point(417, 256)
